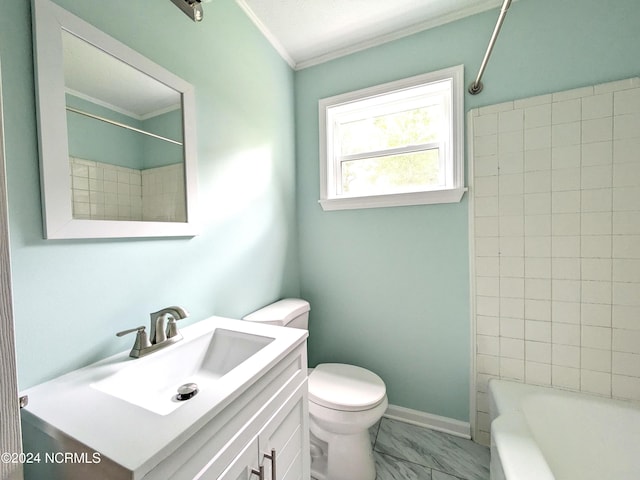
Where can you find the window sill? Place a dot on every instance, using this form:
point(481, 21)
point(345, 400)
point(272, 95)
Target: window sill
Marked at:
point(394, 200)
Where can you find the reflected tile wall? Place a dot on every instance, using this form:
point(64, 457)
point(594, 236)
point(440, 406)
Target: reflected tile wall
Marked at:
point(101, 191)
point(163, 194)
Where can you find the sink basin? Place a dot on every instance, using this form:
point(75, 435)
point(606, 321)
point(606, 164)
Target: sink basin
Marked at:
point(152, 382)
point(127, 409)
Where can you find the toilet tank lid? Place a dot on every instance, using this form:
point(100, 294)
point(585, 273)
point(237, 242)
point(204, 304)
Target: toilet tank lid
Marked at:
point(283, 311)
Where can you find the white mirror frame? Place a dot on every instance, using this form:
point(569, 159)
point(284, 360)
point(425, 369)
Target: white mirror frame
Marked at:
point(49, 20)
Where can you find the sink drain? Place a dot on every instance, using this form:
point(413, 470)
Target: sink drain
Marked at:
point(187, 391)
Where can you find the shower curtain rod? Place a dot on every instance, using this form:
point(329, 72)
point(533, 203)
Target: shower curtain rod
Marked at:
point(122, 125)
point(476, 86)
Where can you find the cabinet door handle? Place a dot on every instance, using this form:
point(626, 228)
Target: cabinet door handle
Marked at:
point(272, 457)
point(259, 472)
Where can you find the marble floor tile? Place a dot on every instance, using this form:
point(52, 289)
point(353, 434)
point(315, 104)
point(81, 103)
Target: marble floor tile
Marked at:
point(391, 468)
point(446, 454)
point(373, 432)
point(436, 475)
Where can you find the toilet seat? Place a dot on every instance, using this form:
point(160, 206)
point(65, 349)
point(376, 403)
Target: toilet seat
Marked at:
point(345, 387)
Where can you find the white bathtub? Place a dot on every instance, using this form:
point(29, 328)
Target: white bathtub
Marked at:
point(540, 433)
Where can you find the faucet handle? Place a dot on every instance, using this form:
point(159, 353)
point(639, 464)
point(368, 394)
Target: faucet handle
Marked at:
point(172, 328)
point(142, 341)
point(131, 330)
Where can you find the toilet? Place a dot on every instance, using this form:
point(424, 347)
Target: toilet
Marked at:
point(344, 402)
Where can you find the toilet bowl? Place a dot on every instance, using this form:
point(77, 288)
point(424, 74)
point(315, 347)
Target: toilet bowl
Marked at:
point(344, 402)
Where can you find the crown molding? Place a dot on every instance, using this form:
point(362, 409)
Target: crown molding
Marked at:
point(271, 38)
point(372, 42)
point(398, 34)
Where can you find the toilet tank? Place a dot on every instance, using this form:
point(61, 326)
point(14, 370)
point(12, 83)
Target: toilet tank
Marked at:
point(289, 312)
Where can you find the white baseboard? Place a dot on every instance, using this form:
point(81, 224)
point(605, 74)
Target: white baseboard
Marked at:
point(428, 420)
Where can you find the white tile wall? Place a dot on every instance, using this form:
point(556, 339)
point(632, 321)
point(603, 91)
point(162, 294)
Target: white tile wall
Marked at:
point(163, 194)
point(556, 231)
point(101, 191)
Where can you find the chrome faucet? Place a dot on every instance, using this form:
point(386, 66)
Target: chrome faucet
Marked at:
point(164, 331)
point(163, 323)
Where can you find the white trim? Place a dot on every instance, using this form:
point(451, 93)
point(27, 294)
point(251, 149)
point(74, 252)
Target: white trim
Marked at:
point(372, 42)
point(160, 111)
point(49, 19)
point(472, 278)
point(454, 188)
point(398, 34)
point(122, 111)
point(102, 103)
point(271, 38)
point(11, 435)
point(421, 147)
point(453, 195)
point(429, 420)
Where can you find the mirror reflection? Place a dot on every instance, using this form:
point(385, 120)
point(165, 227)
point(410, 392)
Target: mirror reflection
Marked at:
point(125, 139)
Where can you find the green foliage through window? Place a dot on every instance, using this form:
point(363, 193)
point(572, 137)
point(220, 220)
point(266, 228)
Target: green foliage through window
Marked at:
point(392, 174)
point(411, 127)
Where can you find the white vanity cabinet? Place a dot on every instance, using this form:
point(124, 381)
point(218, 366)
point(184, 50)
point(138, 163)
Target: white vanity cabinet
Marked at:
point(278, 452)
point(266, 416)
point(243, 467)
point(272, 414)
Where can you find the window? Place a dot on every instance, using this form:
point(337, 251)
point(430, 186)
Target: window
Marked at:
point(394, 144)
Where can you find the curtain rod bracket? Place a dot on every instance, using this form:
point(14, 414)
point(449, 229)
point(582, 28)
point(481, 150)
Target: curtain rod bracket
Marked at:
point(475, 88)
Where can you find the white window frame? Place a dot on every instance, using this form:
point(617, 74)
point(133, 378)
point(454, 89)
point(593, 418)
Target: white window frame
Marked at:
point(451, 192)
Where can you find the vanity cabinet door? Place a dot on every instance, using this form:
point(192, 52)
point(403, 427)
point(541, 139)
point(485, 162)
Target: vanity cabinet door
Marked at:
point(284, 440)
point(281, 446)
point(242, 466)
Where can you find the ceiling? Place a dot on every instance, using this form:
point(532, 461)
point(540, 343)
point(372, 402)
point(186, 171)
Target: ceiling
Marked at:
point(308, 32)
point(94, 75)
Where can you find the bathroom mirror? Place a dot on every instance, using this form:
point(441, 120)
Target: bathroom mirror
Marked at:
point(116, 135)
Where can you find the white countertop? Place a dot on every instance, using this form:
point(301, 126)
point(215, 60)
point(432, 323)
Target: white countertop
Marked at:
point(134, 437)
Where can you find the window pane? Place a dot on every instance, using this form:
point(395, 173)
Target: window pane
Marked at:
point(409, 127)
point(392, 174)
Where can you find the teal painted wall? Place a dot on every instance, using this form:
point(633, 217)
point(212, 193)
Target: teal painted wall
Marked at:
point(99, 141)
point(156, 152)
point(70, 297)
point(389, 287)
